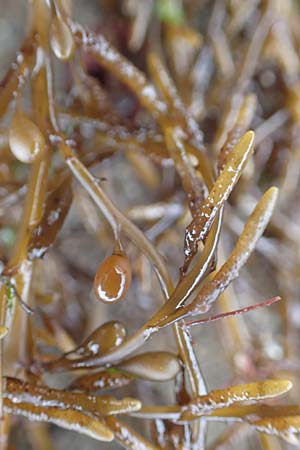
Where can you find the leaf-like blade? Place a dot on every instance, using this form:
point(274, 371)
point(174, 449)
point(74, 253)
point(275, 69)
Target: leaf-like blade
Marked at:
point(109, 57)
point(245, 245)
point(57, 206)
point(19, 391)
point(258, 410)
point(242, 123)
point(190, 181)
point(240, 393)
point(177, 112)
point(105, 379)
point(201, 224)
point(284, 427)
point(69, 419)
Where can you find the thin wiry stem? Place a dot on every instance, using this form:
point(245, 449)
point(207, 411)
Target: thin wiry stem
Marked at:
point(236, 312)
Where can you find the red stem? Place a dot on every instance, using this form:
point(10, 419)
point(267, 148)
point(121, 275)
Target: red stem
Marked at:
point(268, 302)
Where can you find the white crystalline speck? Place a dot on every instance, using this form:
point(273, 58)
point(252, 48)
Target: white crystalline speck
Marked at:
point(93, 347)
point(103, 294)
point(149, 92)
point(53, 216)
point(230, 169)
point(111, 55)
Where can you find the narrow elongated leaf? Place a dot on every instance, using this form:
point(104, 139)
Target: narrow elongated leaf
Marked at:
point(284, 427)
point(19, 392)
point(242, 123)
point(240, 393)
point(57, 206)
point(69, 419)
point(245, 245)
point(181, 115)
point(257, 410)
point(233, 411)
point(201, 224)
point(174, 134)
point(106, 379)
point(109, 57)
point(190, 181)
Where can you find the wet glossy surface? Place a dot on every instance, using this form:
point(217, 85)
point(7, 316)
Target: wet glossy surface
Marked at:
point(112, 279)
point(61, 39)
point(25, 139)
